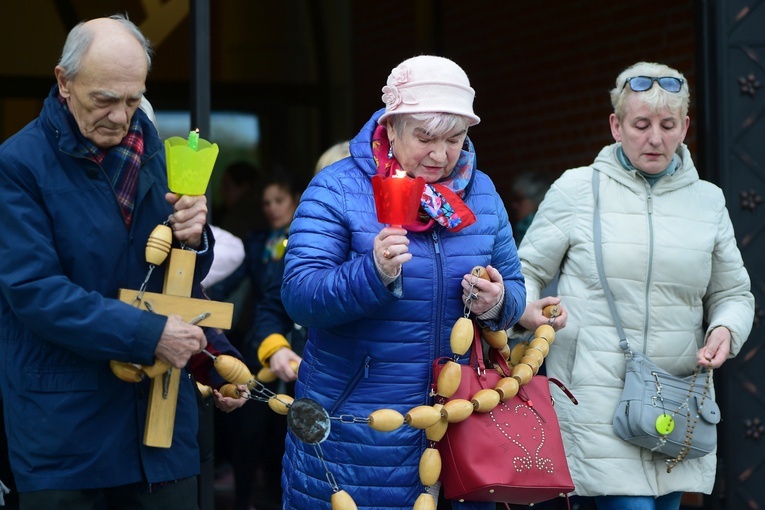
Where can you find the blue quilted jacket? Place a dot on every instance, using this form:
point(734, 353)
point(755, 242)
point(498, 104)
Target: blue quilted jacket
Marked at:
point(64, 254)
point(371, 347)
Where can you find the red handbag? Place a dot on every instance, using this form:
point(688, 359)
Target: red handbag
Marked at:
point(513, 453)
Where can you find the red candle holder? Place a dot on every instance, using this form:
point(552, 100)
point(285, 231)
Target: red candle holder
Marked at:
point(397, 199)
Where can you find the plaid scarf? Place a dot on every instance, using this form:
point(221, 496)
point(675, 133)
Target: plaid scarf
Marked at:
point(122, 162)
point(441, 202)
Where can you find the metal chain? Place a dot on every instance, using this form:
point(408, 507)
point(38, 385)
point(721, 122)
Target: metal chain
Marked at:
point(690, 426)
point(330, 477)
point(472, 295)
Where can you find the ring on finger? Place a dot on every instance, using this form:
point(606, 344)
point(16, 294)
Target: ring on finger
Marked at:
point(387, 254)
point(473, 295)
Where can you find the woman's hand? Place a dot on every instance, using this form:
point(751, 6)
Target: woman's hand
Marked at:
point(391, 250)
point(189, 217)
point(482, 294)
point(717, 348)
point(533, 317)
point(279, 363)
point(228, 404)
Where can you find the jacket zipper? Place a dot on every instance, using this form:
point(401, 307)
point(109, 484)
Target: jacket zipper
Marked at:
point(361, 373)
point(439, 292)
point(649, 276)
point(439, 317)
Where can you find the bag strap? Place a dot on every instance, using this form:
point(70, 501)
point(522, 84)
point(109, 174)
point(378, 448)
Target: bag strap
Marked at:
point(597, 236)
point(565, 390)
point(476, 353)
point(476, 358)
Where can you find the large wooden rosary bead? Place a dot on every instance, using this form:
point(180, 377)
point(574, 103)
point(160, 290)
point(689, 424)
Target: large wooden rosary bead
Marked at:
point(280, 403)
point(527, 360)
point(128, 372)
point(517, 353)
point(424, 502)
point(229, 390)
point(422, 417)
point(480, 272)
point(449, 379)
point(232, 370)
point(385, 420)
point(533, 354)
point(204, 389)
point(506, 352)
point(159, 244)
point(541, 345)
point(430, 466)
point(266, 375)
point(341, 500)
point(462, 336)
point(523, 373)
point(496, 339)
point(507, 388)
point(551, 311)
point(485, 400)
point(436, 431)
point(457, 410)
point(545, 331)
point(158, 368)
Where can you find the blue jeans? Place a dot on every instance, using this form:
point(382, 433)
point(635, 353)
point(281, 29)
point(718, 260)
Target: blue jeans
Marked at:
point(667, 502)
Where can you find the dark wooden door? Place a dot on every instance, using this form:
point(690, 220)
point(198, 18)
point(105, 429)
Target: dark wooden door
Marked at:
point(731, 64)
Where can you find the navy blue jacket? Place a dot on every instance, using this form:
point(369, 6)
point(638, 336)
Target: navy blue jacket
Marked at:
point(371, 347)
point(64, 253)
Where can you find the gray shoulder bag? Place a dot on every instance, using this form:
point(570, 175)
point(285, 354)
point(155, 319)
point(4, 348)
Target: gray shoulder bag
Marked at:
point(673, 416)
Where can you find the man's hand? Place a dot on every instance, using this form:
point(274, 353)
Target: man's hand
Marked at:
point(189, 218)
point(179, 341)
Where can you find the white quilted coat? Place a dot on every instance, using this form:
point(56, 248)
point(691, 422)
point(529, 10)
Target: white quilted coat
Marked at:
point(672, 263)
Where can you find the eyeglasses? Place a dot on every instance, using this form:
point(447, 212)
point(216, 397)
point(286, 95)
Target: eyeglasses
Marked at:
point(643, 83)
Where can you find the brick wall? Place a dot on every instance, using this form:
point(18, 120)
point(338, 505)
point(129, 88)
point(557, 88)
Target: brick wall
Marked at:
point(542, 70)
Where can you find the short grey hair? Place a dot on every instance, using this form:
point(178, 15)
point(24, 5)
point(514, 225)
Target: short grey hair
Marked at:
point(655, 97)
point(81, 37)
point(436, 124)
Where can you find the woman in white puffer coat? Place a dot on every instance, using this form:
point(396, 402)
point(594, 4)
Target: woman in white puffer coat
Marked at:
point(678, 279)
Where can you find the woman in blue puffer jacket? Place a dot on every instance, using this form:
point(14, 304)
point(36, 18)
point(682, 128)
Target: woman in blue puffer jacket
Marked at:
point(380, 301)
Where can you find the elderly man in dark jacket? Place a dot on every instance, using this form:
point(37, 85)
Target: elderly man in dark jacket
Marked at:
point(81, 189)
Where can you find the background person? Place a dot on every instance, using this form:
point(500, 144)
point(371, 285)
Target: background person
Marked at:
point(81, 189)
point(334, 153)
point(528, 190)
point(254, 439)
point(677, 276)
point(379, 302)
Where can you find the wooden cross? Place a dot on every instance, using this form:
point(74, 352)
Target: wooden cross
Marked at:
point(175, 299)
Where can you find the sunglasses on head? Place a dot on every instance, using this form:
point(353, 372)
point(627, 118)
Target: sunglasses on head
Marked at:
point(643, 83)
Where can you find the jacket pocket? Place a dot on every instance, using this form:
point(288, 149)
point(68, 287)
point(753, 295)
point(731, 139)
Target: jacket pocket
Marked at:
point(361, 373)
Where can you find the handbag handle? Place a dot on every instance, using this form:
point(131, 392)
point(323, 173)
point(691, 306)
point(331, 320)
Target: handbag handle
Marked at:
point(596, 234)
point(476, 358)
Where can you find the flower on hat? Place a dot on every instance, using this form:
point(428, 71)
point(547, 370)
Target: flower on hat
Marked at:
point(393, 96)
point(398, 76)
